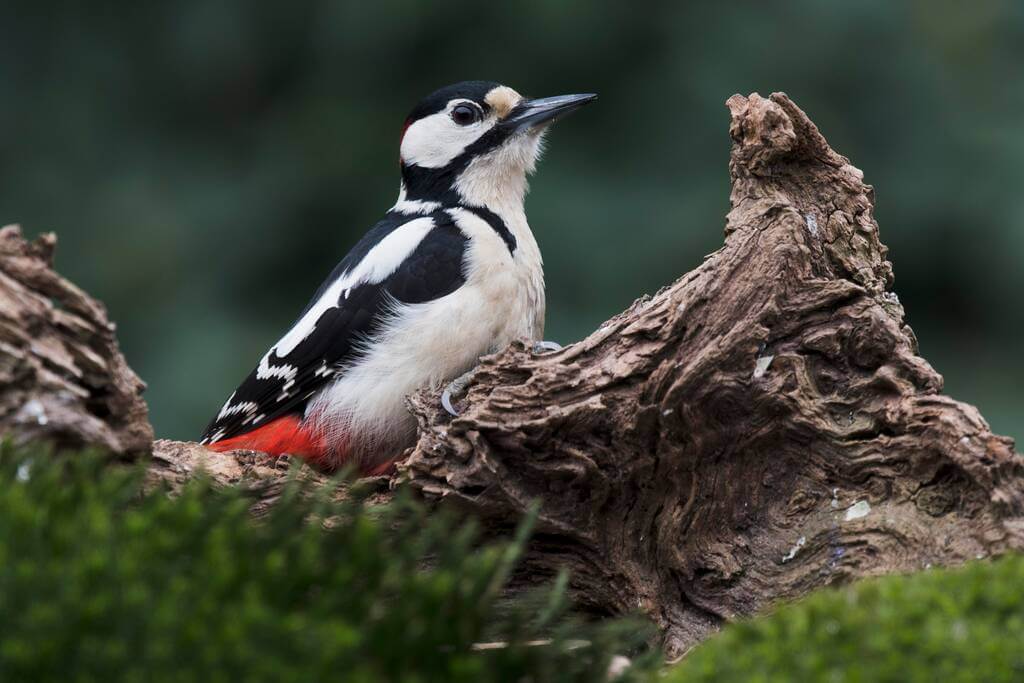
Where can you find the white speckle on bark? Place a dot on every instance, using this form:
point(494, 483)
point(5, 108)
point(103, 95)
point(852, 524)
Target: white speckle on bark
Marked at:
point(761, 366)
point(800, 542)
point(35, 410)
point(859, 509)
point(812, 224)
point(835, 499)
point(890, 297)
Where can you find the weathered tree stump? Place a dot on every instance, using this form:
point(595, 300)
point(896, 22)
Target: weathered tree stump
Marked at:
point(62, 376)
point(760, 428)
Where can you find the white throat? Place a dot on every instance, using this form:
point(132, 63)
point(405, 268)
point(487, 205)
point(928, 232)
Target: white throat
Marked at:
point(497, 180)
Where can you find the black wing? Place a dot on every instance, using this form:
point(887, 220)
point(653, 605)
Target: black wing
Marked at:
point(285, 383)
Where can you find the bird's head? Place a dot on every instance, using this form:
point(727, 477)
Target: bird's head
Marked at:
point(475, 142)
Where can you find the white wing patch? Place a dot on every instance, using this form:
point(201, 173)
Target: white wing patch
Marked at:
point(266, 371)
point(380, 262)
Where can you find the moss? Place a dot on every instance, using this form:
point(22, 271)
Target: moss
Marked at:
point(965, 624)
point(99, 581)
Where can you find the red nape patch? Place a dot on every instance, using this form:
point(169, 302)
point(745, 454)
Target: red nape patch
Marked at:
point(284, 436)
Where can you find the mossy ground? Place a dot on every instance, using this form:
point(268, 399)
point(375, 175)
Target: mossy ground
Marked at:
point(101, 582)
point(964, 624)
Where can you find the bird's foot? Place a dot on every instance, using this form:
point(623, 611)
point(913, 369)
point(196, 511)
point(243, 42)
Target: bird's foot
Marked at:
point(546, 347)
point(456, 388)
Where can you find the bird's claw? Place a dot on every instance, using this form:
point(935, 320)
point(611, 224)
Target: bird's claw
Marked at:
point(456, 387)
point(546, 347)
point(446, 401)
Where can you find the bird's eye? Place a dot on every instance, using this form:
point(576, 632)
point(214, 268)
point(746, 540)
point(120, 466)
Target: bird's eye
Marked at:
point(464, 114)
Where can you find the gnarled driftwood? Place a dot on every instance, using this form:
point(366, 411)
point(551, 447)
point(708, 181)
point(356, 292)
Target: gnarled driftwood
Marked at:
point(760, 428)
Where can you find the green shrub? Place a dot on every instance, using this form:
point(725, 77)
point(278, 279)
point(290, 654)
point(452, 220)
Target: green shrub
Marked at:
point(100, 582)
point(958, 625)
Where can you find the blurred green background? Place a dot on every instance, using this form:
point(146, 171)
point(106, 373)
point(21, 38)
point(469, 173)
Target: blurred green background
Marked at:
point(206, 163)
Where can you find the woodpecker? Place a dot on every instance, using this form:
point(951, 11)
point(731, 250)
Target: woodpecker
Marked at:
point(450, 273)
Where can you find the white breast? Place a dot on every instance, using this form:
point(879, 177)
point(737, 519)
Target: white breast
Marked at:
point(428, 344)
point(512, 284)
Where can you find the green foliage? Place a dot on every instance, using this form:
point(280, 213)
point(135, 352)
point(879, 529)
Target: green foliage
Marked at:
point(950, 625)
point(99, 581)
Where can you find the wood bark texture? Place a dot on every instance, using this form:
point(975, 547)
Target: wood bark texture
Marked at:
point(62, 375)
point(760, 428)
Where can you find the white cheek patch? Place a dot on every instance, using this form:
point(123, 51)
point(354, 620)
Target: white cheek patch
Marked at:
point(434, 141)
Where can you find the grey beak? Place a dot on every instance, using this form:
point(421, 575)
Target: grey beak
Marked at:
point(532, 113)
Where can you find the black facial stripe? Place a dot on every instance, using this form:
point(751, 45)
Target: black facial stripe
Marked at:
point(431, 184)
point(494, 220)
point(438, 184)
